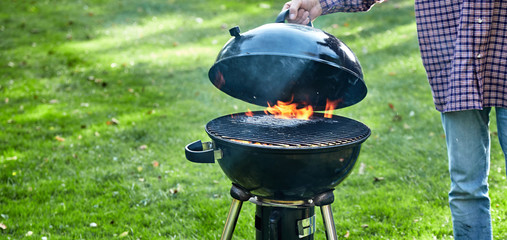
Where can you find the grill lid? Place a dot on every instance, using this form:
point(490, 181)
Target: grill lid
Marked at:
point(266, 130)
point(283, 61)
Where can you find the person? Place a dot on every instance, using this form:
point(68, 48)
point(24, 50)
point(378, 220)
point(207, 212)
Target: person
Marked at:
point(463, 46)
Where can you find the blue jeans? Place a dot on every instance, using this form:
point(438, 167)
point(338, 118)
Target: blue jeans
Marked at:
point(468, 148)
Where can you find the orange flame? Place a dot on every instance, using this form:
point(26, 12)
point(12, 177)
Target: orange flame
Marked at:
point(250, 142)
point(249, 113)
point(330, 106)
point(288, 110)
point(241, 141)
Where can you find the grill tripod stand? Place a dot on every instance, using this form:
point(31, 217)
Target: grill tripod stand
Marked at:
point(282, 220)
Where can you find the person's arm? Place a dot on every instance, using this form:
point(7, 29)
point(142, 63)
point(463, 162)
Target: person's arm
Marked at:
point(304, 11)
point(332, 6)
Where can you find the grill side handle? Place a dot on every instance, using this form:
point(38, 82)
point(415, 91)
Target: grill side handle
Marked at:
point(200, 152)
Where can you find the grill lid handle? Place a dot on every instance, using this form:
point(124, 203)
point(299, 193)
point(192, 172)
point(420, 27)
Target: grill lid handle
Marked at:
point(283, 15)
point(200, 152)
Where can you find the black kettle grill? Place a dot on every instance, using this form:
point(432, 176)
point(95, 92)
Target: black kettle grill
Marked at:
point(285, 166)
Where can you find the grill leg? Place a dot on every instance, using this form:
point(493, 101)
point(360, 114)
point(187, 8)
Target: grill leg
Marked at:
point(232, 218)
point(324, 200)
point(238, 195)
point(327, 215)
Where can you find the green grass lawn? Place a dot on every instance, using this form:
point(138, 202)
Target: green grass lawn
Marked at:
point(98, 99)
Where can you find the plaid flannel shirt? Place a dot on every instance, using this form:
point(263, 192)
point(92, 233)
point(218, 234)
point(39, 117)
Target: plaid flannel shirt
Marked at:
point(463, 46)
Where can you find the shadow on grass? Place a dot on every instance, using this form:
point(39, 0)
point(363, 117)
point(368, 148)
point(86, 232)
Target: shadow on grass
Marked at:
point(68, 68)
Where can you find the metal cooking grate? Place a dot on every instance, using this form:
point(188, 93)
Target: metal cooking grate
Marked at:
point(268, 130)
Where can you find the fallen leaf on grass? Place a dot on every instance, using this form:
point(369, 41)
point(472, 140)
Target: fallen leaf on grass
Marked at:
point(397, 118)
point(347, 235)
point(60, 139)
point(113, 121)
point(155, 164)
point(175, 190)
point(124, 234)
point(361, 168)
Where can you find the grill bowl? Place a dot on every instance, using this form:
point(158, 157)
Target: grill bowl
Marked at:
point(288, 173)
